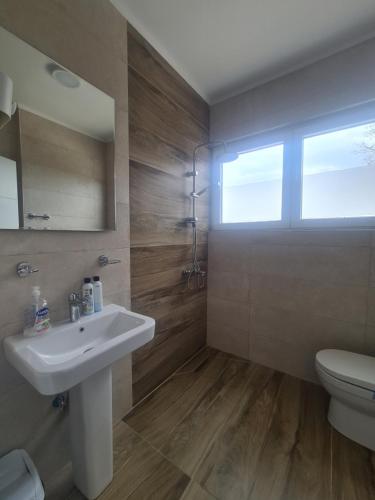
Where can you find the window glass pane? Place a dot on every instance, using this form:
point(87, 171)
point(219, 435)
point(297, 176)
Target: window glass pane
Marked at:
point(339, 174)
point(252, 186)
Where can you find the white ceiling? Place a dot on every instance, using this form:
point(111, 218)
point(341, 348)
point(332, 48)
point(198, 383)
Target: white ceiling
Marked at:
point(222, 47)
point(85, 109)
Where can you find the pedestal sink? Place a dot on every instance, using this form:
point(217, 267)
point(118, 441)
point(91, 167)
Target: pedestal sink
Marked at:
point(78, 357)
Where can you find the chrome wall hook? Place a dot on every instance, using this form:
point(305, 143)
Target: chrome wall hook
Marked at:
point(24, 269)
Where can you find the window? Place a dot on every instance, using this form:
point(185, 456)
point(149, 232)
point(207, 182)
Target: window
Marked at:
point(338, 171)
point(252, 186)
point(318, 174)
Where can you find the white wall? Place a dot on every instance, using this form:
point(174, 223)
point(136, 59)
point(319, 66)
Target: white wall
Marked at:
point(336, 82)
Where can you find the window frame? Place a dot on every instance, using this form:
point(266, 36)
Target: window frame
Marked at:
point(247, 145)
point(292, 138)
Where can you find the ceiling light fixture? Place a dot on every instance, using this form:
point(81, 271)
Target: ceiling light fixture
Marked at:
point(63, 76)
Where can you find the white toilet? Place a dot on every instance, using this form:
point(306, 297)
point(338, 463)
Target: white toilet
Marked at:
point(350, 380)
point(19, 479)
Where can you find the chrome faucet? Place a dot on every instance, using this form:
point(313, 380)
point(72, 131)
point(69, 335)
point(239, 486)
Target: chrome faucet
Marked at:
point(76, 301)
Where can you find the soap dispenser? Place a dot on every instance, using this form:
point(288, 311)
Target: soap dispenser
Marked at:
point(39, 321)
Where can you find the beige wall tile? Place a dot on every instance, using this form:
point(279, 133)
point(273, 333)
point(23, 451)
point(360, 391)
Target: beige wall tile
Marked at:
point(372, 268)
point(283, 356)
point(101, 20)
point(306, 290)
point(231, 256)
point(371, 306)
point(288, 340)
point(122, 180)
point(370, 340)
point(121, 131)
point(304, 329)
point(305, 237)
point(229, 285)
point(59, 274)
point(29, 421)
point(228, 313)
point(346, 303)
point(228, 339)
point(228, 325)
point(89, 38)
point(340, 265)
point(311, 237)
point(10, 378)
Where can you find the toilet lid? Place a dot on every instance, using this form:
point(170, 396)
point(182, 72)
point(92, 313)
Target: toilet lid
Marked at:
point(350, 367)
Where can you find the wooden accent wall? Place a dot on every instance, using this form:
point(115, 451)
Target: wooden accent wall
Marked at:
point(167, 119)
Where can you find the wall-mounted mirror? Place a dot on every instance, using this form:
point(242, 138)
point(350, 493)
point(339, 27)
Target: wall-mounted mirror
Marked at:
point(56, 150)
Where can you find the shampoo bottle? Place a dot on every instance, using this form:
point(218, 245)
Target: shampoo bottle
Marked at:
point(88, 297)
point(98, 294)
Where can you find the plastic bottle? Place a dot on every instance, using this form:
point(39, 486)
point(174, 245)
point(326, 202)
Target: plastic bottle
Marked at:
point(98, 294)
point(35, 294)
point(88, 297)
point(38, 321)
point(42, 322)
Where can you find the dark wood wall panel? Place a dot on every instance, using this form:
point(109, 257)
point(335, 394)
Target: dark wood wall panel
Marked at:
point(159, 203)
point(148, 63)
point(167, 119)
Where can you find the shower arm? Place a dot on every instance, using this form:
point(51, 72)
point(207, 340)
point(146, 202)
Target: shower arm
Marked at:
point(209, 145)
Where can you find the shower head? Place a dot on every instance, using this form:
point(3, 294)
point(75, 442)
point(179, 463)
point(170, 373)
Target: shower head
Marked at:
point(224, 156)
point(227, 157)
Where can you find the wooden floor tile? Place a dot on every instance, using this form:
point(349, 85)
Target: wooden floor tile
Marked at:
point(228, 469)
point(171, 403)
point(271, 473)
point(140, 472)
point(222, 428)
point(187, 442)
point(310, 459)
point(196, 492)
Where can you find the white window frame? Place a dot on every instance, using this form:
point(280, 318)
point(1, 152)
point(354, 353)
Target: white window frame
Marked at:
point(245, 146)
point(292, 139)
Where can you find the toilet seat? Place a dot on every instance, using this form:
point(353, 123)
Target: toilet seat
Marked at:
point(356, 369)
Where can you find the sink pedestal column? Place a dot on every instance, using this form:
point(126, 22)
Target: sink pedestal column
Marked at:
point(90, 420)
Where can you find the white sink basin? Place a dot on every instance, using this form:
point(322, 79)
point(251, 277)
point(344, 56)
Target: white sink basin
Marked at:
point(71, 352)
point(78, 357)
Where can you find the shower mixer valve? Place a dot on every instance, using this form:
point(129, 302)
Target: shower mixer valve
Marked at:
point(196, 278)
